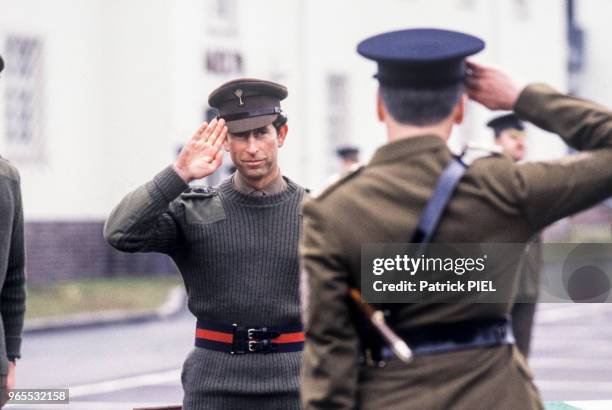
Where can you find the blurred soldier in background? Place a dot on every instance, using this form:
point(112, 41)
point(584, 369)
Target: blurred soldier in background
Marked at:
point(348, 157)
point(509, 134)
point(236, 247)
point(422, 76)
point(12, 272)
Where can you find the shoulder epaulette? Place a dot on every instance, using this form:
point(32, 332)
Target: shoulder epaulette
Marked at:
point(196, 192)
point(342, 179)
point(477, 151)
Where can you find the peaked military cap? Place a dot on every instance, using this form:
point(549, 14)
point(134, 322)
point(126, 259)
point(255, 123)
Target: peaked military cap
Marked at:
point(346, 150)
point(248, 103)
point(1, 64)
point(509, 121)
point(420, 57)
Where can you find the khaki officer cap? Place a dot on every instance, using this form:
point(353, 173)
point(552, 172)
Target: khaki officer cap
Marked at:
point(248, 103)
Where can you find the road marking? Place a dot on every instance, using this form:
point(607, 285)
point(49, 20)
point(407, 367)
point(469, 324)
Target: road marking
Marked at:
point(569, 364)
point(126, 383)
point(597, 388)
point(571, 311)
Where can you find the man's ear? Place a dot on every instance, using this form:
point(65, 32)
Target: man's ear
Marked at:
point(459, 110)
point(282, 134)
point(380, 108)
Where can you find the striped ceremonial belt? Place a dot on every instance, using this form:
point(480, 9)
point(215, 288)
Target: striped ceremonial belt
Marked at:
point(237, 339)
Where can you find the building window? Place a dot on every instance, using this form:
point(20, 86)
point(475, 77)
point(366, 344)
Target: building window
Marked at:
point(224, 62)
point(23, 98)
point(337, 113)
point(222, 17)
point(467, 5)
point(521, 9)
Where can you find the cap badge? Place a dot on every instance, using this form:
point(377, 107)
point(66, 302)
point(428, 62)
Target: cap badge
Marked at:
point(238, 93)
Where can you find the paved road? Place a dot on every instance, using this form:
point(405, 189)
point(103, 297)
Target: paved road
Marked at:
point(572, 352)
point(108, 367)
point(136, 362)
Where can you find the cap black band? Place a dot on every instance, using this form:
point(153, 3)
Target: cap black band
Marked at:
point(423, 75)
point(250, 114)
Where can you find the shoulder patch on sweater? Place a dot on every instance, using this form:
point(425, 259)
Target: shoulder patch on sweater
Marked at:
point(337, 183)
point(202, 205)
point(199, 192)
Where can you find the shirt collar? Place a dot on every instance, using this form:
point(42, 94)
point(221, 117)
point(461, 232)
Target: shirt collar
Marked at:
point(407, 147)
point(274, 187)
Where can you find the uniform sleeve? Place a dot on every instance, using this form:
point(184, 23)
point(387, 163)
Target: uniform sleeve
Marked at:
point(13, 294)
point(551, 190)
point(145, 221)
point(329, 373)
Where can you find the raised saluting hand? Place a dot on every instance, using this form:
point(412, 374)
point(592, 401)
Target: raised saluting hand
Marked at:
point(202, 155)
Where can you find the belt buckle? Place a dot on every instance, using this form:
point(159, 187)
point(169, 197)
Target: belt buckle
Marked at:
point(237, 341)
point(252, 341)
point(260, 340)
point(250, 332)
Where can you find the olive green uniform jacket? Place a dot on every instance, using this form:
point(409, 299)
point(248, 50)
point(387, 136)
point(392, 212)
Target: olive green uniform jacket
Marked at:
point(496, 201)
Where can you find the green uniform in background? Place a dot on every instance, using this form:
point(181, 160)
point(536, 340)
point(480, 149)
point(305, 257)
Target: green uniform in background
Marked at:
point(523, 311)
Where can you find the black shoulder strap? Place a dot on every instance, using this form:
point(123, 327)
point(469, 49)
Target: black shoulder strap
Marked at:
point(430, 218)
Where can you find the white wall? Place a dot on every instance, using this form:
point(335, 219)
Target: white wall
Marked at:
point(125, 81)
point(596, 81)
point(526, 38)
point(62, 182)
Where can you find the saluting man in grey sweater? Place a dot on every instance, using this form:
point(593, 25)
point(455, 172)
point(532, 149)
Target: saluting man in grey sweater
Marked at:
point(12, 273)
point(236, 248)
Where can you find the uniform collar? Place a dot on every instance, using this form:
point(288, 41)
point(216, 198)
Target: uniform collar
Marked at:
point(407, 147)
point(274, 187)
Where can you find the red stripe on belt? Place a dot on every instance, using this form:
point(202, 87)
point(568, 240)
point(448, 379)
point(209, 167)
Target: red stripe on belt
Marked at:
point(289, 338)
point(214, 336)
point(223, 337)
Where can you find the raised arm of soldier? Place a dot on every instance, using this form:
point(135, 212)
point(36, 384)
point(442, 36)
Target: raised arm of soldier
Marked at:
point(145, 220)
point(550, 190)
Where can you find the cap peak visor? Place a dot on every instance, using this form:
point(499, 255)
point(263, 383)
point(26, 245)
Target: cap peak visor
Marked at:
point(250, 123)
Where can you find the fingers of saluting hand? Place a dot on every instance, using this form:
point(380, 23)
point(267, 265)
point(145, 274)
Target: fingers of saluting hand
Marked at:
point(210, 145)
point(209, 130)
point(219, 134)
point(200, 131)
point(474, 69)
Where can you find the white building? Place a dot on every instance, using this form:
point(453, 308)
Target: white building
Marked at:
point(99, 94)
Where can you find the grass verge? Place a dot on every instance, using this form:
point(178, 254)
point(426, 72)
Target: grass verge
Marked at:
point(96, 295)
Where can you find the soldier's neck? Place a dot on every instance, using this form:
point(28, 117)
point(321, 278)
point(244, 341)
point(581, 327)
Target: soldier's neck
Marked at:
point(397, 131)
point(268, 185)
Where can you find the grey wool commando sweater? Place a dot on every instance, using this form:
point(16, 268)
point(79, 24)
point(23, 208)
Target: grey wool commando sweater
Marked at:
point(238, 255)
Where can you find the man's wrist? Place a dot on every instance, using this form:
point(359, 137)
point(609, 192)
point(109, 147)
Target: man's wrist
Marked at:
point(182, 173)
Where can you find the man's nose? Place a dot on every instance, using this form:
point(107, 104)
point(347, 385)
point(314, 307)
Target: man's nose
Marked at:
point(252, 148)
